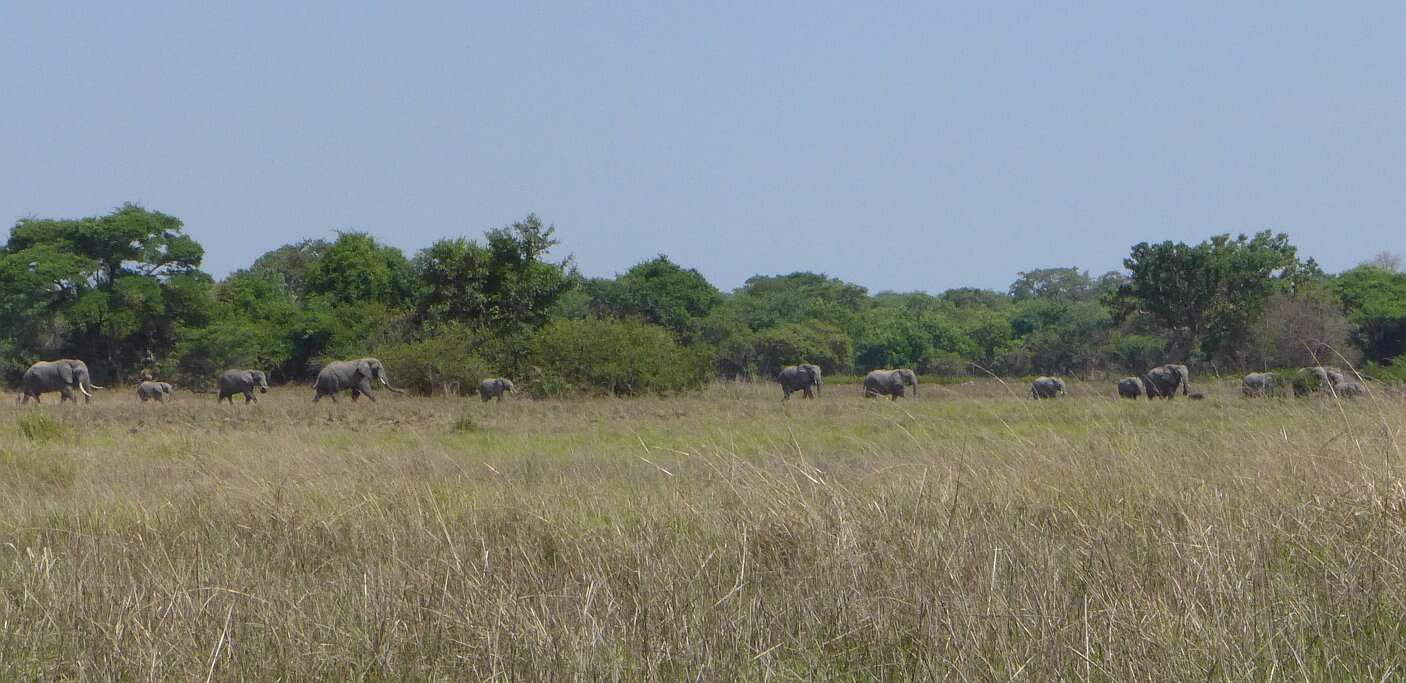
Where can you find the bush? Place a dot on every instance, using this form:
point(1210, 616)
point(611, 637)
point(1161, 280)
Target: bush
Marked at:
point(38, 427)
point(619, 357)
point(442, 364)
point(809, 342)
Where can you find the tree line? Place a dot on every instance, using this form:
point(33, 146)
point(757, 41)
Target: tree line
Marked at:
point(124, 291)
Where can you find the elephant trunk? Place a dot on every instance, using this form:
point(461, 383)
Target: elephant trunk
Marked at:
point(915, 387)
point(387, 385)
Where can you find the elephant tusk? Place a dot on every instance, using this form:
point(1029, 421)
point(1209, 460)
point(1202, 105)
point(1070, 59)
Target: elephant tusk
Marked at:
point(85, 391)
point(94, 386)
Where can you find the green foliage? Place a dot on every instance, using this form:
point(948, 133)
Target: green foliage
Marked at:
point(502, 285)
point(815, 342)
point(1213, 290)
point(660, 292)
point(440, 364)
point(288, 265)
point(357, 269)
point(766, 301)
point(1375, 301)
point(619, 357)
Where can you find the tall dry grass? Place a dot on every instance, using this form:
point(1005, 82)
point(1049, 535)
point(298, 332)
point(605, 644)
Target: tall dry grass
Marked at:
point(970, 534)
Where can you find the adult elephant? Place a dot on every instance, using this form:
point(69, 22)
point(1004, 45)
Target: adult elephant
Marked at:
point(1350, 389)
point(1257, 385)
point(1046, 387)
point(1129, 387)
point(490, 389)
point(234, 382)
point(147, 391)
point(62, 375)
point(804, 378)
point(356, 375)
point(1163, 381)
point(890, 383)
point(1317, 378)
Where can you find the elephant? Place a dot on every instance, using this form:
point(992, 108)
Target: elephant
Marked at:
point(1046, 387)
point(242, 382)
point(493, 388)
point(1315, 379)
point(356, 375)
point(1350, 389)
point(804, 378)
point(890, 383)
point(1129, 387)
point(62, 375)
point(157, 390)
point(1257, 385)
point(1163, 381)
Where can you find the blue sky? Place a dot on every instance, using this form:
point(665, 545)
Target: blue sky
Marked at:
point(916, 147)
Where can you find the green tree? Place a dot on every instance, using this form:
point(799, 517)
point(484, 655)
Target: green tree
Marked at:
point(661, 292)
point(1375, 301)
point(619, 357)
point(357, 269)
point(109, 289)
point(289, 264)
point(1211, 292)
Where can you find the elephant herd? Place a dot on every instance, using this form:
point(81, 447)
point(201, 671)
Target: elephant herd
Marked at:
point(357, 376)
point(806, 378)
point(1303, 382)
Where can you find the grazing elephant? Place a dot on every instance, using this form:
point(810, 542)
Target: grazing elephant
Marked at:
point(1162, 382)
point(356, 375)
point(1349, 389)
point(803, 378)
point(890, 383)
point(1130, 387)
point(1315, 379)
point(157, 390)
point(1046, 387)
point(493, 388)
point(234, 382)
point(1257, 385)
point(62, 375)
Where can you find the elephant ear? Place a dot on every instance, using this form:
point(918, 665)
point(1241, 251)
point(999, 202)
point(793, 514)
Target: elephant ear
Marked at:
point(66, 372)
point(249, 378)
point(363, 366)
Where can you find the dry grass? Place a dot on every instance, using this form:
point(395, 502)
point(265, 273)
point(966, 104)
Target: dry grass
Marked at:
point(971, 534)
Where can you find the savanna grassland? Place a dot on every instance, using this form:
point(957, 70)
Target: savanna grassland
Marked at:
point(969, 534)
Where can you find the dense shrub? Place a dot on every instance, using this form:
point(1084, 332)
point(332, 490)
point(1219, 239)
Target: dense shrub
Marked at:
point(811, 342)
point(442, 364)
point(619, 357)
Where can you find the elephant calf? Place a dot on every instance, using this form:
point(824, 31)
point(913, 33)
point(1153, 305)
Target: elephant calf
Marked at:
point(1130, 387)
point(490, 389)
point(242, 382)
point(1349, 389)
point(1046, 387)
point(153, 390)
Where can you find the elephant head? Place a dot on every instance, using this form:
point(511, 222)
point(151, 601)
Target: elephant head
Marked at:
point(908, 377)
point(75, 374)
point(373, 370)
point(505, 384)
point(258, 379)
point(814, 371)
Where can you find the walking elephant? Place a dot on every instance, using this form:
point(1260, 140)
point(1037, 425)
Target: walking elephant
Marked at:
point(1163, 381)
point(804, 378)
point(1348, 389)
point(233, 382)
point(890, 383)
point(356, 375)
point(1046, 387)
point(147, 391)
point(1257, 385)
point(490, 389)
point(1129, 387)
point(62, 375)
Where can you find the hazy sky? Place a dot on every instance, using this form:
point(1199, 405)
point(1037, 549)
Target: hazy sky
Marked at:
point(908, 148)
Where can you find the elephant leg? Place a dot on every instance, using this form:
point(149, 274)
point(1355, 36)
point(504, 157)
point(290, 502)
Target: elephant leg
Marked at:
point(356, 394)
point(66, 394)
point(316, 396)
point(248, 397)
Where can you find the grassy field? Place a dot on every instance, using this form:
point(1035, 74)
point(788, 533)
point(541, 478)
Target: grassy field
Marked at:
point(969, 534)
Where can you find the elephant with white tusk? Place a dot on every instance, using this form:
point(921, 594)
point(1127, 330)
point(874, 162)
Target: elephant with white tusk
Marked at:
point(490, 389)
point(235, 382)
point(62, 375)
point(804, 378)
point(1130, 387)
point(356, 375)
point(1046, 387)
point(890, 383)
point(147, 391)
